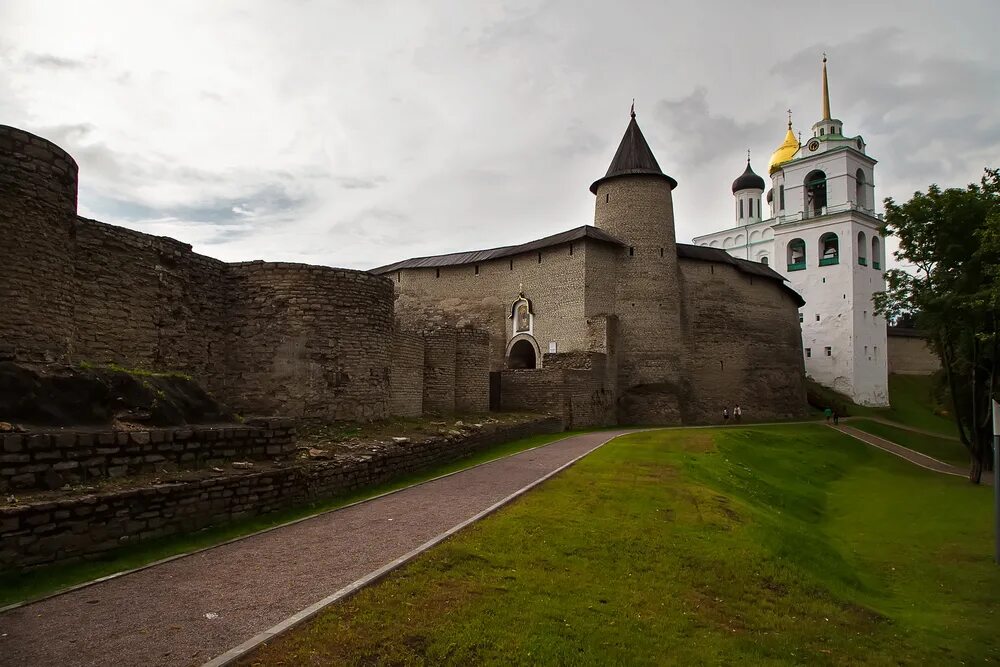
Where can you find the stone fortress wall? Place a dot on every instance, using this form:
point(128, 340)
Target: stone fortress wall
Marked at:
point(265, 338)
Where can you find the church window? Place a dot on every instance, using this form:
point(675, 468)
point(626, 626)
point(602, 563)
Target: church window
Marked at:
point(817, 317)
point(876, 254)
point(741, 209)
point(764, 260)
point(750, 204)
point(829, 249)
point(809, 352)
point(815, 185)
point(781, 197)
point(399, 276)
point(796, 255)
point(859, 185)
point(477, 269)
point(800, 317)
point(821, 132)
point(828, 351)
point(862, 249)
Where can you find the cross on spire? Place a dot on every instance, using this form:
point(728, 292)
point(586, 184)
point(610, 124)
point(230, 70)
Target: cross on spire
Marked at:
point(748, 156)
point(789, 119)
point(632, 110)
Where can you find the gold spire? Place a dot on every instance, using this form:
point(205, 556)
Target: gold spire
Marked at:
point(826, 93)
point(786, 151)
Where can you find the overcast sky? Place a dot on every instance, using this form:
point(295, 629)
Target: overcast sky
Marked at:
point(359, 133)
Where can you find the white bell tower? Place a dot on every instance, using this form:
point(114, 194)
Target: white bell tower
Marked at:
point(828, 244)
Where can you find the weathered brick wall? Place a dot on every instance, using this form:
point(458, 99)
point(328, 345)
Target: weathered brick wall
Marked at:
point(48, 460)
point(67, 530)
point(744, 345)
point(38, 186)
point(407, 370)
point(439, 371)
point(472, 371)
point(639, 211)
point(310, 341)
point(456, 296)
point(910, 354)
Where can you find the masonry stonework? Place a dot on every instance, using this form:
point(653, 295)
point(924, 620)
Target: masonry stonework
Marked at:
point(626, 324)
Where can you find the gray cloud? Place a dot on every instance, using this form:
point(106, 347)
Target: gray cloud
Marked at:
point(50, 61)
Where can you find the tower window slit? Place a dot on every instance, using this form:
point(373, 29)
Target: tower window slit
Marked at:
point(539, 258)
point(661, 252)
point(631, 251)
point(511, 265)
point(477, 269)
point(570, 248)
point(437, 273)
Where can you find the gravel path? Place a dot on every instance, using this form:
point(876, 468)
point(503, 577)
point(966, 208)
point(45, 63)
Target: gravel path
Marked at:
point(910, 455)
point(192, 609)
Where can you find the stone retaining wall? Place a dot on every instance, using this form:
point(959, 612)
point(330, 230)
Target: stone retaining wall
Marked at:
point(50, 459)
point(78, 528)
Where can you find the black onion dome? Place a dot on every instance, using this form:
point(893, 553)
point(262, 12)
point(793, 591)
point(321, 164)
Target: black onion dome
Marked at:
point(748, 181)
point(770, 195)
point(633, 157)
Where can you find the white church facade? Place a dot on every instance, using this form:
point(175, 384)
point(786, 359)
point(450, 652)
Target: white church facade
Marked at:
point(823, 235)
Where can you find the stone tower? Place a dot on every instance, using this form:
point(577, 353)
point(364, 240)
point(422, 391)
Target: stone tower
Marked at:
point(38, 189)
point(635, 205)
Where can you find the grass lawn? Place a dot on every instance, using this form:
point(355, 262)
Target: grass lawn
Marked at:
point(17, 586)
point(756, 545)
point(943, 449)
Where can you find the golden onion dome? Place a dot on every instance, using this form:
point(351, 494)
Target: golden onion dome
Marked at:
point(783, 153)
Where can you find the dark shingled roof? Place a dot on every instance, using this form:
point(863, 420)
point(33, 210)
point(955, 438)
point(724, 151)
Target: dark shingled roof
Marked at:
point(748, 180)
point(706, 254)
point(474, 256)
point(633, 157)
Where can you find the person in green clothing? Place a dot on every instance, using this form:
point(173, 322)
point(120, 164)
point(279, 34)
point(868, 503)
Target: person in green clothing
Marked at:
point(828, 413)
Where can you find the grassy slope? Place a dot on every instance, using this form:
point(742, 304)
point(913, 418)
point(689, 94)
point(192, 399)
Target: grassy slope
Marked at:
point(943, 449)
point(17, 586)
point(913, 404)
point(763, 545)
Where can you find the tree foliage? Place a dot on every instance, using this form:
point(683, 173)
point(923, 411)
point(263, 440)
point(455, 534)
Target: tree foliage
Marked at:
point(950, 242)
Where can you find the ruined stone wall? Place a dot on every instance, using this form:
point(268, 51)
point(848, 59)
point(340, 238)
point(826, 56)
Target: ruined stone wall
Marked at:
point(310, 341)
point(406, 386)
point(38, 186)
point(458, 296)
point(50, 459)
point(41, 533)
point(472, 371)
point(147, 301)
point(910, 354)
point(744, 346)
point(264, 338)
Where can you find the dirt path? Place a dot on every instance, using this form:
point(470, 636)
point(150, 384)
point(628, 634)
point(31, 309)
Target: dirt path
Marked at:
point(910, 455)
point(192, 609)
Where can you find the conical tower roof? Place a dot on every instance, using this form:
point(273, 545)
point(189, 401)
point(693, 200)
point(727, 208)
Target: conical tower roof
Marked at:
point(633, 158)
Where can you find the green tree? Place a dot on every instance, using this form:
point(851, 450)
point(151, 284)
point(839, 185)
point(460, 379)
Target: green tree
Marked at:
point(951, 239)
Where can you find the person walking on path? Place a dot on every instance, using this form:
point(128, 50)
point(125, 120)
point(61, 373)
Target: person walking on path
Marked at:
point(836, 418)
point(738, 414)
point(828, 413)
point(725, 415)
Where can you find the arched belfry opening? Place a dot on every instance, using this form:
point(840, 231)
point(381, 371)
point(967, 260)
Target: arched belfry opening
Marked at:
point(815, 184)
point(522, 355)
